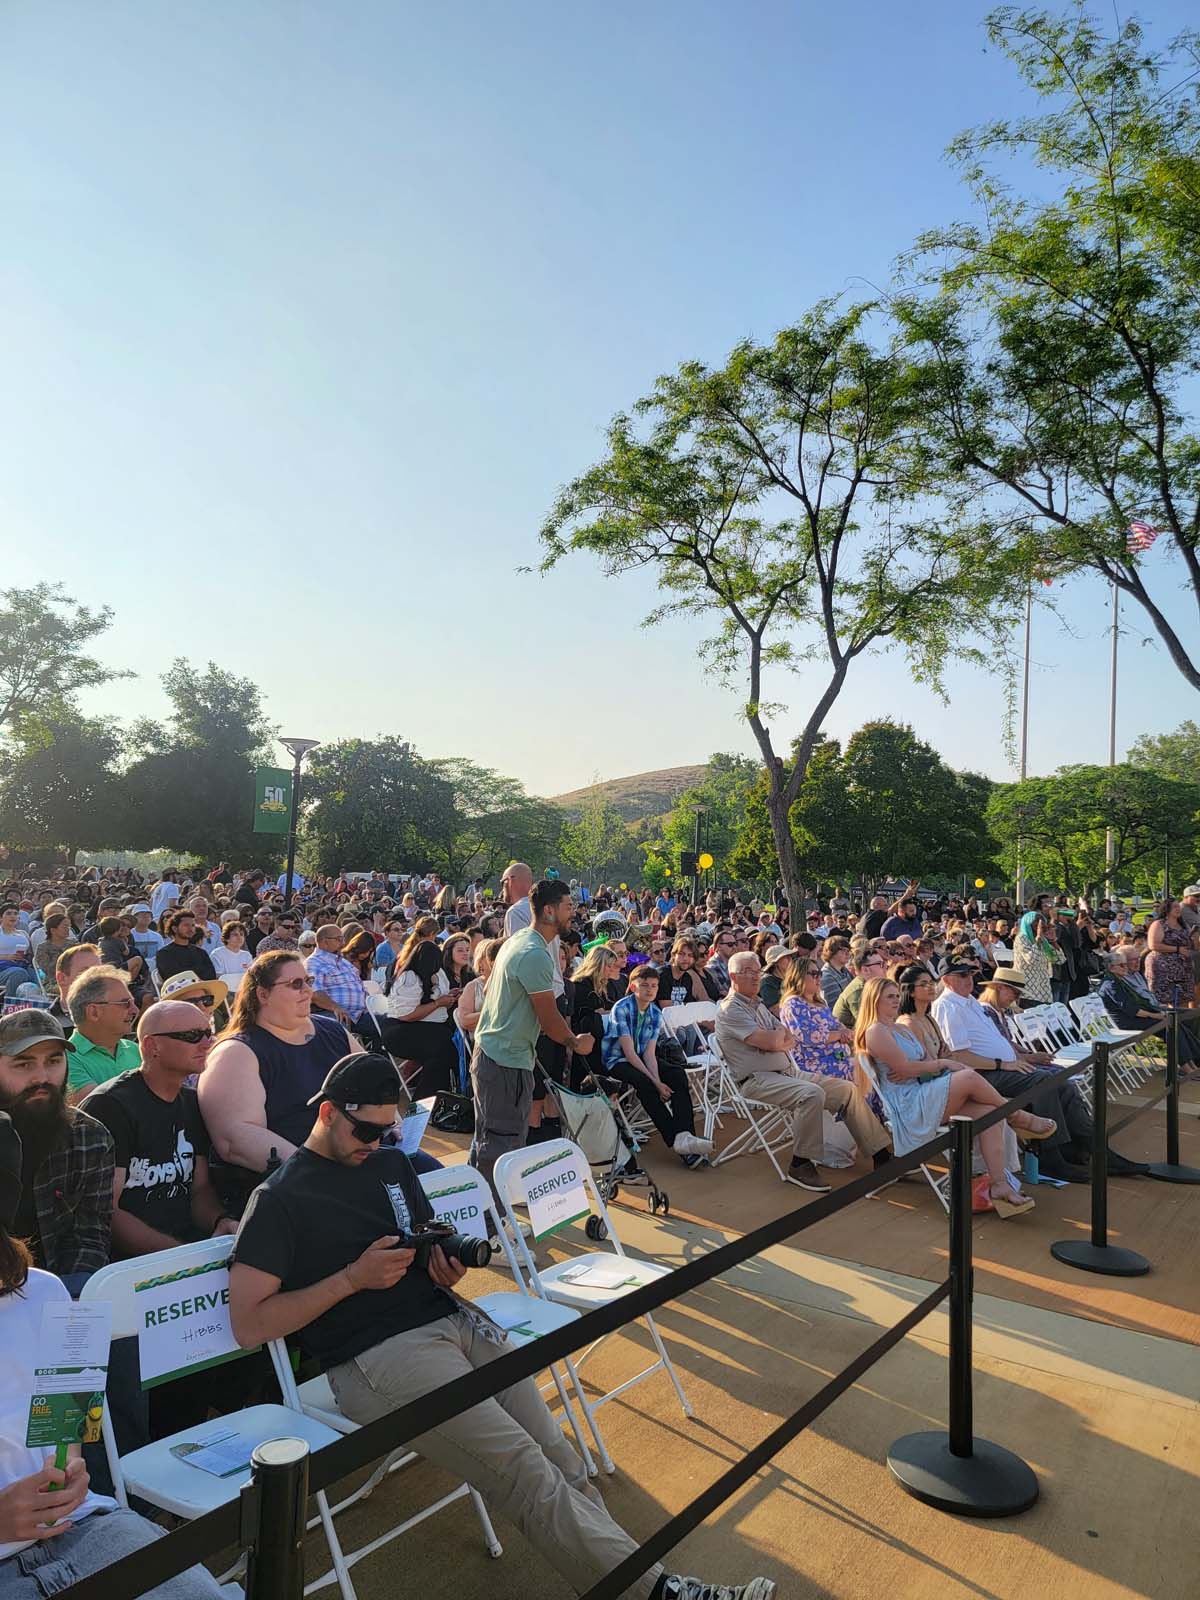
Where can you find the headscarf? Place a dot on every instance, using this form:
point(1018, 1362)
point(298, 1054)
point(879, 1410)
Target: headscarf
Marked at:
point(1028, 926)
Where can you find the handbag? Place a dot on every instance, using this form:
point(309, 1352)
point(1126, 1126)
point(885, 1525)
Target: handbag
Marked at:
point(453, 1113)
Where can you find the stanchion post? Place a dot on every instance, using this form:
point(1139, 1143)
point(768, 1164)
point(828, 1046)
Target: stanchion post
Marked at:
point(1096, 1254)
point(954, 1471)
point(279, 1490)
point(1171, 1170)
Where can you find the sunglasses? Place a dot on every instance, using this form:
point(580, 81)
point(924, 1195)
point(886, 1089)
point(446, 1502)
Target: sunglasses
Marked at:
point(365, 1132)
point(187, 1036)
point(206, 1000)
point(294, 983)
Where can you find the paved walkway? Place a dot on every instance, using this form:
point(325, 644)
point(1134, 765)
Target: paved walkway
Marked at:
point(1108, 1415)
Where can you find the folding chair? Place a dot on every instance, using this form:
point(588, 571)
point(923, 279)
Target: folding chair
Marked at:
point(1129, 1067)
point(768, 1127)
point(567, 1282)
point(314, 1401)
point(461, 1196)
point(939, 1185)
point(155, 1473)
point(678, 1020)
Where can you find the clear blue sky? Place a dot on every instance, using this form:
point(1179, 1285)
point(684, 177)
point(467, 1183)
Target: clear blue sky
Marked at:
point(308, 308)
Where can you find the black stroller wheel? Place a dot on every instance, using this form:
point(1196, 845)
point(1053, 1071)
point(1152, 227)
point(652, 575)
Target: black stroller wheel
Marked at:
point(596, 1229)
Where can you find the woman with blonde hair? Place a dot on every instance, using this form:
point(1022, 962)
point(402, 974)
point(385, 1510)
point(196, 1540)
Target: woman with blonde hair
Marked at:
point(921, 1092)
point(470, 1006)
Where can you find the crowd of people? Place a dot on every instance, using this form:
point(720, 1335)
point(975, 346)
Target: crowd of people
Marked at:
point(206, 1054)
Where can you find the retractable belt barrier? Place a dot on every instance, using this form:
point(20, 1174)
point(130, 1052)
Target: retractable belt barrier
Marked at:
point(954, 1471)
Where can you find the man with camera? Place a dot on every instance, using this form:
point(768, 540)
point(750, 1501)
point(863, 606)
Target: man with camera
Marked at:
point(333, 1246)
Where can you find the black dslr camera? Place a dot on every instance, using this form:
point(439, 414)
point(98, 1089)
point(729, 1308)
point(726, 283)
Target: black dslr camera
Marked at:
point(463, 1247)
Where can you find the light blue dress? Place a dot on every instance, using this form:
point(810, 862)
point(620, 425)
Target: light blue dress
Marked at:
point(915, 1110)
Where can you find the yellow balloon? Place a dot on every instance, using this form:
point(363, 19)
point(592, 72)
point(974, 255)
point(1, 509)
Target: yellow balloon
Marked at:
point(667, 870)
point(624, 886)
point(706, 861)
point(980, 883)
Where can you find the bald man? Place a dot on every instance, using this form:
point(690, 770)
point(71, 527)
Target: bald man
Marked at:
point(162, 1192)
point(515, 884)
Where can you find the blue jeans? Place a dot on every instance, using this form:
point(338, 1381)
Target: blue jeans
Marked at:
point(45, 1568)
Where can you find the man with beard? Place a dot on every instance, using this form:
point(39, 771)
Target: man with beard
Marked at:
point(65, 1209)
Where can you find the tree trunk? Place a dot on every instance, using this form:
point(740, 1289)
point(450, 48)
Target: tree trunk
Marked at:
point(785, 849)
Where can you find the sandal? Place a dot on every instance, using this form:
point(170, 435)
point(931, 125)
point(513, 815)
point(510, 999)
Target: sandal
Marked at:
point(1004, 1207)
point(1027, 1130)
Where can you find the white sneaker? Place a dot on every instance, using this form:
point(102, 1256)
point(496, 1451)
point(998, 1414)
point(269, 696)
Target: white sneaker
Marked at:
point(689, 1144)
point(680, 1588)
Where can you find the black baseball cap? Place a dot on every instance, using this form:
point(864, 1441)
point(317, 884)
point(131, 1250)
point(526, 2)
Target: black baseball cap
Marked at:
point(360, 1080)
point(947, 966)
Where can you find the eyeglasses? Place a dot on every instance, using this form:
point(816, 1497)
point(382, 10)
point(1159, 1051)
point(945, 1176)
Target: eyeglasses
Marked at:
point(365, 1132)
point(187, 1036)
point(205, 999)
point(128, 1003)
point(294, 983)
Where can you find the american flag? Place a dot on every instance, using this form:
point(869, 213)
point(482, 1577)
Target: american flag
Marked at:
point(1140, 536)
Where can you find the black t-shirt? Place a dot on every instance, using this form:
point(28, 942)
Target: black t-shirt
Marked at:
point(312, 1217)
point(157, 1142)
point(872, 922)
point(673, 991)
point(174, 958)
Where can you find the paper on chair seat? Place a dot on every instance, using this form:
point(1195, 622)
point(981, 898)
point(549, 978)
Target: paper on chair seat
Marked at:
point(598, 1275)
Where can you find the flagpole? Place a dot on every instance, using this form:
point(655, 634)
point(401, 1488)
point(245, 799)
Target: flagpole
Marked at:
point(1024, 732)
point(1109, 843)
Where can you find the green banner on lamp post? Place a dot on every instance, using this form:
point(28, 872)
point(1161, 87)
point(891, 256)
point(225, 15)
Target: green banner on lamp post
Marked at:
point(272, 799)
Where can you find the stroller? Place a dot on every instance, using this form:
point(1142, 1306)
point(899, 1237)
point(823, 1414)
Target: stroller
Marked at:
point(596, 1122)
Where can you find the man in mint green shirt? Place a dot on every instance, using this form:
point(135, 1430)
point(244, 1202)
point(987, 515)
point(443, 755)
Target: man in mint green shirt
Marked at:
point(518, 1004)
point(103, 1011)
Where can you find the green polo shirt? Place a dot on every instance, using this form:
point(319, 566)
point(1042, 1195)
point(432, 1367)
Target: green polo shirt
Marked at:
point(88, 1065)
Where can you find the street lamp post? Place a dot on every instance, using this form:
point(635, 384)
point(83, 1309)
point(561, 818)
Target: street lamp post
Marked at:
point(297, 749)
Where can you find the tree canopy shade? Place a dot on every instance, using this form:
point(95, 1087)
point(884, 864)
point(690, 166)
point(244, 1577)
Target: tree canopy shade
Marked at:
point(721, 797)
point(887, 806)
point(59, 789)
point(1063, 820)
point(1174, 755)
point(42, 661)
point(367, 803)
point(191, 783)
point(489, 822)
point(787, 498)
point(1063, 341)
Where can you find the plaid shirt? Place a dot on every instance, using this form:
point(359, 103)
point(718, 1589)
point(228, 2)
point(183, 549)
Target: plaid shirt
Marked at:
point(337, 978)
point(73, 1198)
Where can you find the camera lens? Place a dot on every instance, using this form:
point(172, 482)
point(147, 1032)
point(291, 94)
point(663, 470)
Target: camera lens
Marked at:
point(474, 1252)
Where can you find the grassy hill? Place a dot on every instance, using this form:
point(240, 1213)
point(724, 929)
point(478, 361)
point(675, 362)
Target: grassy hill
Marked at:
point(646, 794)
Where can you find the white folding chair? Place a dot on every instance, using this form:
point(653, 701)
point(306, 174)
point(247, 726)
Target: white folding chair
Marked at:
point(560, 1282)
point(314, 1401)
point(768, 1128)
point(939, 1185)
point(461, 1196)
point(1129, 1067)
point(154, 1473)
point(679, 1020)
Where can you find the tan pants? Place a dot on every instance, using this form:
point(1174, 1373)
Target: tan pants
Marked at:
point(802, 1099)
point(841, 1095)
point(509, 1448)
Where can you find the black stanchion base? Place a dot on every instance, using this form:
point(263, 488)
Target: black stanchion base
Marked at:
point(1110, 1259)
point(991, 1482)
point(1168, 1172)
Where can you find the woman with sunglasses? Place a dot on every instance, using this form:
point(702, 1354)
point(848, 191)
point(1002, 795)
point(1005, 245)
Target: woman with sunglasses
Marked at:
point(264, 1069)
point(824, 1043)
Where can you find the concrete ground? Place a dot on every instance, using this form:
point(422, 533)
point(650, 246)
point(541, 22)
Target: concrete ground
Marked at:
point(1079, 1377)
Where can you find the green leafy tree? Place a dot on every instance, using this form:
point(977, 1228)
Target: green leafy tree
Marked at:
point(1174, 755)
point(1062, 821)
point(59, 788)
point(43, 636)
point(786, 499)
point(491, 821)
point(594, 844)
point(373, 803)
point(885, 806)
point(191, 784)
point(1065, 334)
point(719, 800)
